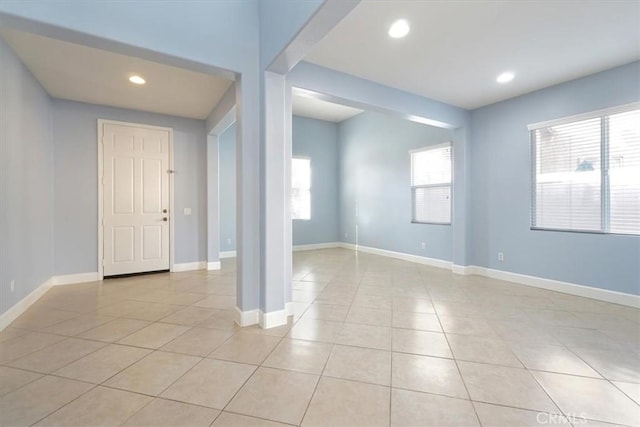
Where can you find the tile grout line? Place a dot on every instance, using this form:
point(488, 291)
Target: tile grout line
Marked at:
point(334, 344)
point(466, 388)
point(324, 367)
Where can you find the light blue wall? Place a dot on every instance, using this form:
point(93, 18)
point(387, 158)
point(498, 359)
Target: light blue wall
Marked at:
point(501, 189)
point(318, 140)
point(219, 33)
point(365, 94)
point(26, 181)
point(204, 36)
point(375, 182)
point(280, 20)
point(374, 96)
point(76, 189)
point(227, 192)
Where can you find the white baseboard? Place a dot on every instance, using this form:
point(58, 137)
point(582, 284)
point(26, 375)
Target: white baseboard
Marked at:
point(247, 318)
point(227, 254)
point(214, 265)
point(70, 279)
point(522, 279)
point(464, 270)
point(289, 308)
point(273, 319)
point(265, 320)
point(556, 285)
point(21, 306)
point(189, 266)
point(296, 248)
point(314, 246)
point(433, 262)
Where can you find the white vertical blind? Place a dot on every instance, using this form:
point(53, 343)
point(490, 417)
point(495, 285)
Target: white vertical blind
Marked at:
point(432, 204)
point(568, 178)
point(624, 172)
point(431, 184)
point(586, 174)
point(300, 188)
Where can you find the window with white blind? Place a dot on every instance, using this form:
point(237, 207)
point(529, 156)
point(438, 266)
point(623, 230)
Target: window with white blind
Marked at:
point(586, 172)
point(300, 188)
point(431, 184)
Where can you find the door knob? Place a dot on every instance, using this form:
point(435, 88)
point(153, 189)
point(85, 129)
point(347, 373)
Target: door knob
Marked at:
point(164, 211)
point(165, 219)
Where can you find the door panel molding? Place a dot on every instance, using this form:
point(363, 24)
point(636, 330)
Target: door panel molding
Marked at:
point(100, 135)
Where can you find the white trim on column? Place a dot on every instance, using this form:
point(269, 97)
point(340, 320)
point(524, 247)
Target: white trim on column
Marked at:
point(247, 318)
point(273, 319)
point(289, 308)
point(214, 265)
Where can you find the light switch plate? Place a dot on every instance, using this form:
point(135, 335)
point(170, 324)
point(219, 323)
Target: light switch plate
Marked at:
point(187, 211)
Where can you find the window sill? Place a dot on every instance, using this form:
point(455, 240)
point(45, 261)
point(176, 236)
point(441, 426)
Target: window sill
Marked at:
point(431, 223)
point(601, 233)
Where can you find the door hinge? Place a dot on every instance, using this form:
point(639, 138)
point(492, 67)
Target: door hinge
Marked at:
point(171, 171)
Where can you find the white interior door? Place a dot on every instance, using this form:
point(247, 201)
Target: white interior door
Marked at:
point(135, 199)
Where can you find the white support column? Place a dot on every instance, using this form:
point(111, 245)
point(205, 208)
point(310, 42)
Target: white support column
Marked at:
point(276, 234)
point(213, 204)
point(248, 199)
point(461, 197)
point(288, 230)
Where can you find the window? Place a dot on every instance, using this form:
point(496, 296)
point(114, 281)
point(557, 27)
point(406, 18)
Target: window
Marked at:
point(586, 173)
point(431, 184)
point(301, 188)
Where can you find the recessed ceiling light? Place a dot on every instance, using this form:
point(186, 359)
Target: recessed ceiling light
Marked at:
point(137, 80)
point(505, 77)
point(399, 29)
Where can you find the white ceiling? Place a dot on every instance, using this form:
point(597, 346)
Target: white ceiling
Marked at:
point(306, 106)
point(456, 49)
point(80, 73)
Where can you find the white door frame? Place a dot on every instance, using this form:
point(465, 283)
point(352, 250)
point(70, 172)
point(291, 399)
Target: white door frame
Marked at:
point(101, 123)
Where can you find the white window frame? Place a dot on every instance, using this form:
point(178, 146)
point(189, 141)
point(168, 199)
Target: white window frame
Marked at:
point(310, 187)
point(604, 147)
point(414, 187)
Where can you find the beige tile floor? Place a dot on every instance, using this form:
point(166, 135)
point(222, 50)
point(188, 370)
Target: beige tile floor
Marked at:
point(374, 341)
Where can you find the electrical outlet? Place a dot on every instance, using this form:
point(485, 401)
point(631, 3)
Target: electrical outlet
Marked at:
point(424, 245)
point(228, 241)
point(346, 235)
point(187, 211)
point(13, 285)
point(500, 256)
